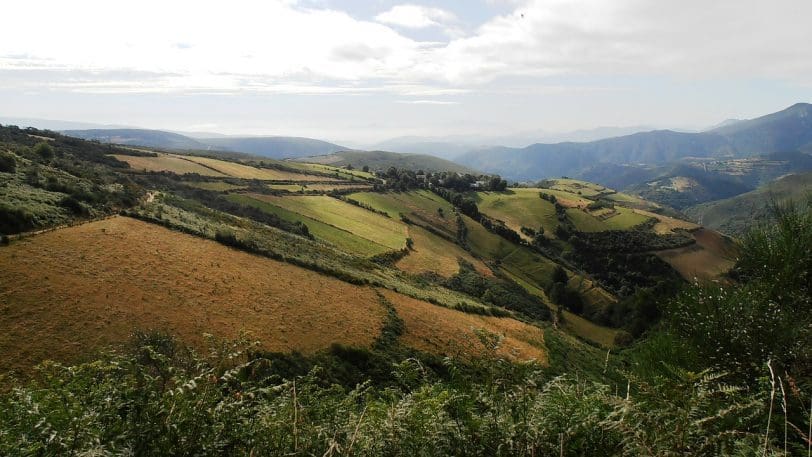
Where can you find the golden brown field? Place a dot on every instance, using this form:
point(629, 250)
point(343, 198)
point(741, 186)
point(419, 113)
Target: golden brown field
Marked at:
point(434, 254)
point(709, 258)
point(448, 332)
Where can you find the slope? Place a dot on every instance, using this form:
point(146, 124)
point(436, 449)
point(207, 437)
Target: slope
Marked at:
point(382, 160)
point(71, 292)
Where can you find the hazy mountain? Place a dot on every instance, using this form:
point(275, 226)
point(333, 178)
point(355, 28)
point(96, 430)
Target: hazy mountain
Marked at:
point(53, 124)
point(275, 147)
point(138, 137)
point(382, 160)
point(790, 129)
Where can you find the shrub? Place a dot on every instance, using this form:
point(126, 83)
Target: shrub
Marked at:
point(7, 163)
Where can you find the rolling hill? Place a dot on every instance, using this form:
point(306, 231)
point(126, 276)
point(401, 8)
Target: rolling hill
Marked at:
point(787, 130)
point(382, 160)
point(736, 215)
point(275, 147)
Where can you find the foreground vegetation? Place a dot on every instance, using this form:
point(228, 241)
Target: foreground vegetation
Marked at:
point(728, 372)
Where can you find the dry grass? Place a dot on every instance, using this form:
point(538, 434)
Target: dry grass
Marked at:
point(666, 224)
point(238, 170)
point(445, 331)
point(711, 256)
point(165, 162)
point(70, 292)
point(434, 254)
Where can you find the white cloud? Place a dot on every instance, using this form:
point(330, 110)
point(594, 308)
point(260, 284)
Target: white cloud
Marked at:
point(428, 102)
point(416, 16)
point(281, 47)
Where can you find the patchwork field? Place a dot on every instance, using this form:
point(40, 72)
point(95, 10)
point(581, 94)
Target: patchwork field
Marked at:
point(238, 170)
point(78, 289)
point(70, 292)
point(342, 173)
point(205, 166)
point(166, 162)
point(344, 240)
point(366, 224)
point(217, 186)
point(711, 256)
point(422, 207)
point(666, 224)
point(519, 208)
point(434, 254)
point(448, 332)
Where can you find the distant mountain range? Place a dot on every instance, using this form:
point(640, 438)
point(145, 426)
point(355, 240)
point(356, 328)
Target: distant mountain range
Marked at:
point(275, 147)
point(787, 130)
point(736, 215)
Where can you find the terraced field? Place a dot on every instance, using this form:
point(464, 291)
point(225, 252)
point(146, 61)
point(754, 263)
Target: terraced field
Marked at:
point(75, 290)
point(437, 255)
point(217, 186)
point(376, 228)
point(711, 256)
point(167, 162)
point(449, 332)
point(342, 173)
point(421, 206)
point(344, 240)
point(519, 208)
point(238, 170)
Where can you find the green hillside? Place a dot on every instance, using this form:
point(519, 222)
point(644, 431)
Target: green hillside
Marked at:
point(735, 216)
point(382, 160)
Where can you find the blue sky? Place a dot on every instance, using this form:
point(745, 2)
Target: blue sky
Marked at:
point(362, 71)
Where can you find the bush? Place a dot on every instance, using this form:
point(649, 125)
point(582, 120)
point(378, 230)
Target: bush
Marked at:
point(44, 150)
point(15, 220)
point(7, 163)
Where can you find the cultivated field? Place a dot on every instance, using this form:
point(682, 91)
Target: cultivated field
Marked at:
point(449, 332)
point(387, 232)
point(666, 224)
point(165, 162)
point(217, 186)
point(342, 239)
point(519, 208)
point(711, 256)
point(70, 292)
point(420, 206)
point(75, 290)
point(238, 170)
point(434, 254)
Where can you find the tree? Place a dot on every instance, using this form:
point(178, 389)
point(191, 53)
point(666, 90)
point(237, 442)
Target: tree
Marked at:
point(365, 169)
point(559, 275)
point(44, 150)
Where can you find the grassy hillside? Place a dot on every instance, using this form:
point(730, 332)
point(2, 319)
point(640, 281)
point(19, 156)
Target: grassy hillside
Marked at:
point(738, 214)
point(78, 290)
point(382, 160)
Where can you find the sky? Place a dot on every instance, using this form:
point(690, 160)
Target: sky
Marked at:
point(358, 72)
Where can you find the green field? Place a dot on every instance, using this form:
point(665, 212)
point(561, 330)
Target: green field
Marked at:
point(582, 188)
point(217, 186)
point(343, 173)
point(420, 206)
point(519, 208)
point(624, 219)
point(432, 253)
point(342, 239)
point(350, 218)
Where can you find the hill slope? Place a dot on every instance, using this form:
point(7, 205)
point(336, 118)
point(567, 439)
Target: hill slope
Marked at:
point(74, 291)
point(382, 160)
point(275, 147)
point(736, 215)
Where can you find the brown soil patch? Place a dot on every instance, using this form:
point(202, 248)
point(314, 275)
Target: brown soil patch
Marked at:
point(445, 331)
point(708, 259)
point(67, 293)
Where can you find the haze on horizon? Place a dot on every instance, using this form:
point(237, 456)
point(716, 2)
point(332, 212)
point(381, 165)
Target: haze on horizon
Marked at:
point(357, 72)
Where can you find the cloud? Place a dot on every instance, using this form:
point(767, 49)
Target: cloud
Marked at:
point(416, 16)
point(281, 46)
point(428, 102)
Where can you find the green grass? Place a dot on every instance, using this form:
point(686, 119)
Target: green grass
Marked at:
point(420, 206)
point(585, 222)
point(519, 208)
point(342, 239)
point(287, 187)
point(358, 221)
point(218, 186)
point(342, 172)
point(624, 219)
point(582, 188)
